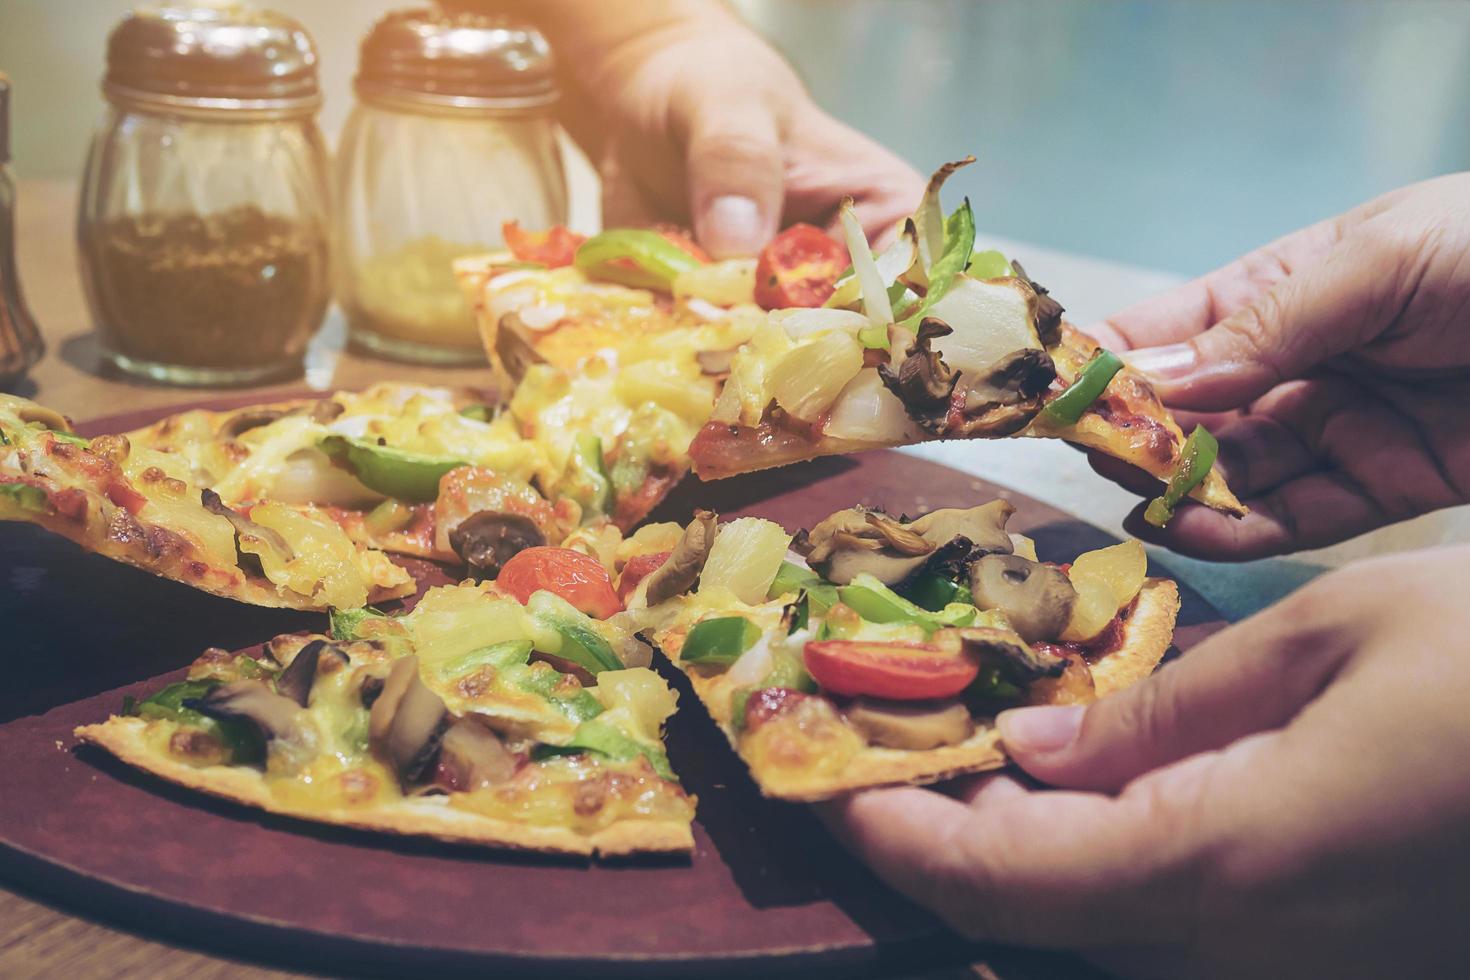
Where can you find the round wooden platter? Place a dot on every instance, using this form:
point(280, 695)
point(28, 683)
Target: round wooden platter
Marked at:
point(765, 889)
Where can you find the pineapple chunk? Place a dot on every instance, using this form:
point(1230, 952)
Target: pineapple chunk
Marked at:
point(725, 283)
point(637, 700)
point(808, 380)
point(744, 559)
point(1106, 580)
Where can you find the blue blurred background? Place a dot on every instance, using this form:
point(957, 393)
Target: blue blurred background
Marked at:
point(1171, 134)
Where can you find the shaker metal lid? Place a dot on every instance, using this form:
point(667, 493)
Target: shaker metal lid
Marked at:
point(453, 57)
point(212, 55)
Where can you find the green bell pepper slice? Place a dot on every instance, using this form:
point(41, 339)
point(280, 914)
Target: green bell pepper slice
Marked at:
point(543, 681)
point(791, 577)
point(26, 497)
point(1195, 460)
point(395, 472)
point(586, 479)
point(240, 738)
point(877, 603)
point(497, 655)
point(580, 643)
point(480, 413)
point(1068, 407)
point(655, 261)
point(932, 591)
point(346, 624)
point(719, 641)
point(606, 740)
point(989, 264)
point(959, 244)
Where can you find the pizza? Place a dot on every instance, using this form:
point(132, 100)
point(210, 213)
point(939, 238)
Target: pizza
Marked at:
point(140, 506)
point(472, 718)
point(934, 340)
point(881, 649)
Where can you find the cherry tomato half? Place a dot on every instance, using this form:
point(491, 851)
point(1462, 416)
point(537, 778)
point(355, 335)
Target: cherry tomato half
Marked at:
point(898, 671)
point(555, 247)
point(579, 579)
point(637, 569)
point(799, 267)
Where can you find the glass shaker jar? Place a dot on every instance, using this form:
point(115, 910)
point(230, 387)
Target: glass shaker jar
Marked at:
point(451, 136)
point(203, 227)
point(20, 341)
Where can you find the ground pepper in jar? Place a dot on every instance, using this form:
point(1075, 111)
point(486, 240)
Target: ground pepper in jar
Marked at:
point(236, 288)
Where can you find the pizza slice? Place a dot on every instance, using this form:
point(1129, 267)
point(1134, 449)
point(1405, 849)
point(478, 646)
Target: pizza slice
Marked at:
point(473, 719)
point(934, 340)
point(140, 506)
point(883, 655)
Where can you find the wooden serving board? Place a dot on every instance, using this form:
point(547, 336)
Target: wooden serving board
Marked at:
point(765, 890)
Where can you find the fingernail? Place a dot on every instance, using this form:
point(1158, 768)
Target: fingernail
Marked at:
point(731, 227)
point(1040, 730)
point(1167, 363)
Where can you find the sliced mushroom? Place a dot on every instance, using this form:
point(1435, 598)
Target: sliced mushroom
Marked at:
point(1006, 396)
point(250, 418)
point(923, 382)
point(1004, 650)
point(406, 721)
point(999, 401)
point(916, 725)
point(514, 347)
point(475, 757)
point(488, 539)
point(273, 715)
point(1037, 599)
point(244, 526)
point(49, 417)
point(296, 680)
point(857, 540)
point(983, 526)
point(678, 574)
point(1048, 311)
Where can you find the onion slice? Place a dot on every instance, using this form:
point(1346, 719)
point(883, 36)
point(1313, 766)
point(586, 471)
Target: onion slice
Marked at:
point(873, 291)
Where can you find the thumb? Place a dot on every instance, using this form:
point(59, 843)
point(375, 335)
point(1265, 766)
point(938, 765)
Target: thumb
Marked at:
point(1248, 678)
point(1335, 305)
point(736, 174)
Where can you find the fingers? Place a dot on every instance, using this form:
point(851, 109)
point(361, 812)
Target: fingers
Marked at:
point(1197, 305)
point(736, 174)
point(1340, 303)
point(1249, 678)
point(1037, 868)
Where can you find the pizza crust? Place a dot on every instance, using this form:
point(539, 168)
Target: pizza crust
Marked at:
point(1148, 631)
point(424, 817)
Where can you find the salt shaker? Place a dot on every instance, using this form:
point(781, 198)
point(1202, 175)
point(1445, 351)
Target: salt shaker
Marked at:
point(452, 135)
point(20, 341)
point(204, 226)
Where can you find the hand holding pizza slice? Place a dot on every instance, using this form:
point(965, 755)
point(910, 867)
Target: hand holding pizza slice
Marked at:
point(933, 340)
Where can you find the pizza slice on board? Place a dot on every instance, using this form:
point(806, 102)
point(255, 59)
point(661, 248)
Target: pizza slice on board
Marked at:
point(473, 718)
point(143, 507)
point(880, 651)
